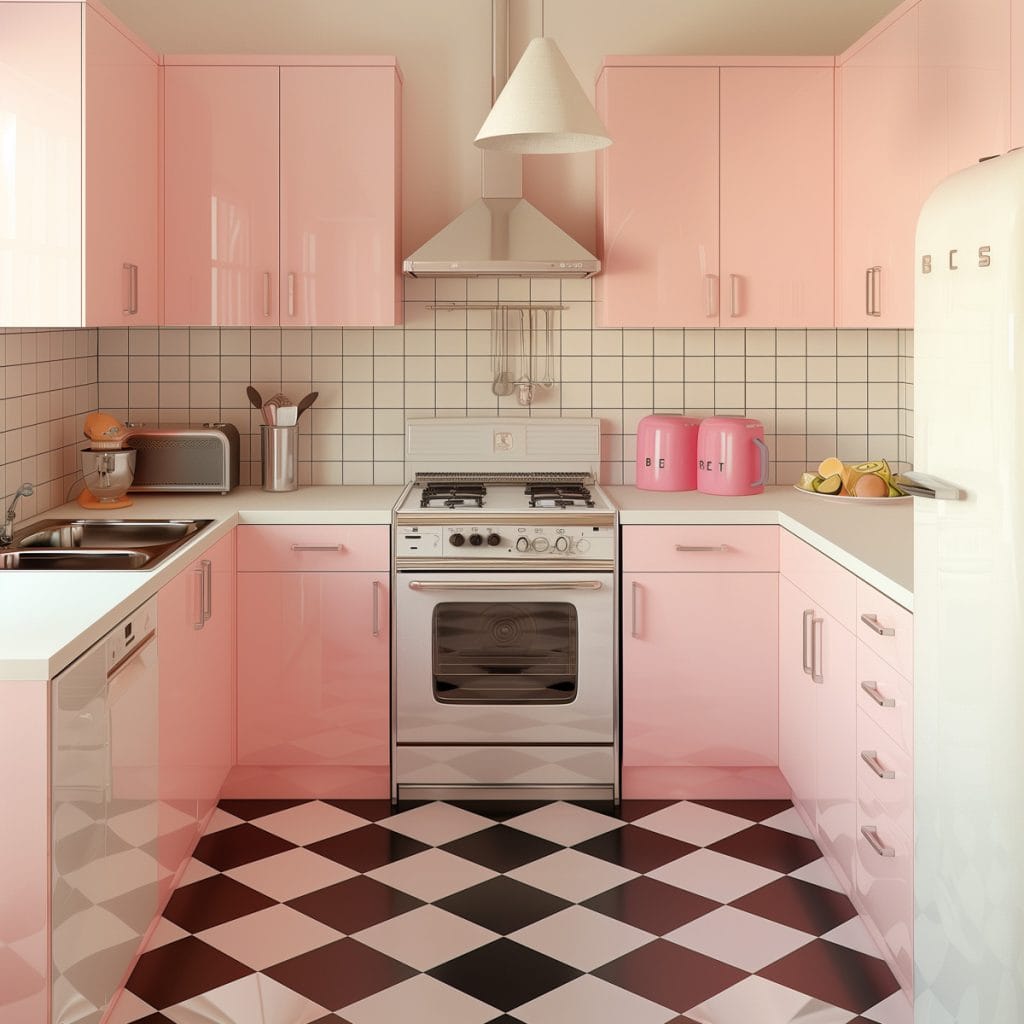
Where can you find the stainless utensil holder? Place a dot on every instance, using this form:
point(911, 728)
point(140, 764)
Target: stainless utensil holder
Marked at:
point(279, 457)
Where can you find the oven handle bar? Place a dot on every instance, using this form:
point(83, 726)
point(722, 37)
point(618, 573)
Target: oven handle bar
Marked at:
point(506, 585)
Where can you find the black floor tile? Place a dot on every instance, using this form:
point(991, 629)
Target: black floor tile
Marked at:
point(354, 904)
point(213, 901)
point(504, 974)
point(651, 905)
point(241, 844)
point(638, 849)
point(503, 905)
point(753, 810)
point(799, 904)
point(366, 848)
point(630, 810)
point(249, 809)
point(501, 848)
point(180, 970)
point(769, 847)
point(371, 810)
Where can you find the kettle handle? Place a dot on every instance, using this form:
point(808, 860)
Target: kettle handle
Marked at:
point(763, 451)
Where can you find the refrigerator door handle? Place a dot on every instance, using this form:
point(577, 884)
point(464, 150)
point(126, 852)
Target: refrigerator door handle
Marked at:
point(921, 485)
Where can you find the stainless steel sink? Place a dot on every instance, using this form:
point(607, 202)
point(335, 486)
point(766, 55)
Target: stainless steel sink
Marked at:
point(98, 543)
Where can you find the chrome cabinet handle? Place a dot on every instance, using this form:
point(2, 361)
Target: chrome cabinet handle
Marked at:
point(127, 289)
point(711, 295)
point(867, 291)
point(870, 833)
point(870, 758)
point(871, 689)
point(702, 547)
point(505, 585)
point(376, 609)
point(873, 291)
point(201, 579)
point(634, 631)
point(266, 293)
point(207, 566)
point(808, 618)
point(135, 288)
point(291, 294)
point(319, 547)
point(817, 630)
point(871, 621)
point(734, 295)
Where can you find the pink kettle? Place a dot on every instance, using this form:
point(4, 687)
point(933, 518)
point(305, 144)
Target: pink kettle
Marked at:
point(732, 457)
point(666, 453)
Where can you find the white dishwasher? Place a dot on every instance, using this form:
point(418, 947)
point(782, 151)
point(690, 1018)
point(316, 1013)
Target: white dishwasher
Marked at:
point(105, 825)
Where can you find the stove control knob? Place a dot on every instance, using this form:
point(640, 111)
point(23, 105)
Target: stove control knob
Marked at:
point(582, 546)
point(562, 544)
point(541, 543)
point(522, 544)
point(457, 540)
point(493, 539)
point(476, 539)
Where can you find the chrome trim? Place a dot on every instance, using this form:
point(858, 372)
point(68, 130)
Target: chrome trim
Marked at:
point(201, 621)
point(871, 620)
point(506, 585)
point(485, 791)
point(207, 566)
point(734, 295)
point(525, 517)
point(817, 627)
point(375, 631)
point(146, 641)
point(870, 833)
point(634, 632)
point(509, 564)
point(808, 617)
point(702, 547)
point(870, 758)
point(872, 690)
point(318, 547)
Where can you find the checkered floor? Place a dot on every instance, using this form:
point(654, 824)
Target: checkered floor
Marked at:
point(708, 912)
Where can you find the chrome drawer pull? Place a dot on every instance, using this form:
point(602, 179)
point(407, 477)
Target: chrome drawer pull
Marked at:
point(506, 585)
point(869, 687)
point(808, 619)
point(872, 622)
point(870, 833)
point(702, 547)
point(319, 547)
point(870, 758)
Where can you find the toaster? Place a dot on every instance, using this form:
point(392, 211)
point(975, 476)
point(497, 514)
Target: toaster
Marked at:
point(184, 457)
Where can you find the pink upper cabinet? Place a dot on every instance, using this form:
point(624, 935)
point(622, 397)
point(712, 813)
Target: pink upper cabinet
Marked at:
point(777, 196)
point(221, 195)
point(658, 198)
point(121, 178)
point(879, 187)
point(339, 168)
point(41, 164)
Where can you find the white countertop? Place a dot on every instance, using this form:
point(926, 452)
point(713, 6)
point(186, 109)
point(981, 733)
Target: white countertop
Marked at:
point(47, 619)
point(875, 541)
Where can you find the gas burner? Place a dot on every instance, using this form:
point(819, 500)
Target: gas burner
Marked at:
point(559, 495)
point(452, 495)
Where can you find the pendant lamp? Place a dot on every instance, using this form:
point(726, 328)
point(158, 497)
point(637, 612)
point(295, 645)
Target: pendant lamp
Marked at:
point(542, 108)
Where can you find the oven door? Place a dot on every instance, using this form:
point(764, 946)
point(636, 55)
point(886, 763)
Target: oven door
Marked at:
point(505, 658)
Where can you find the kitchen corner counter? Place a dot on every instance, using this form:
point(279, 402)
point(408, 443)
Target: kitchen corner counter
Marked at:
point(47, 619)
point(873, 541)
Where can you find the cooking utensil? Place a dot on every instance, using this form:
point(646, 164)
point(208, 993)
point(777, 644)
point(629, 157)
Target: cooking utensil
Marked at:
point(306, 402)
point(287, 415)
point(503, 385)
point(271, 406)
point(548, 380)
point(254, 397)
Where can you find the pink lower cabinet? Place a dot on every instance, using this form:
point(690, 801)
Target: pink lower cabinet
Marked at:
point(313, 661)
point(197, 628)
point(699, 688)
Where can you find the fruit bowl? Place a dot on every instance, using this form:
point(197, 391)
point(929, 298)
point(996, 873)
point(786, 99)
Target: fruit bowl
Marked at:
point(870, 481)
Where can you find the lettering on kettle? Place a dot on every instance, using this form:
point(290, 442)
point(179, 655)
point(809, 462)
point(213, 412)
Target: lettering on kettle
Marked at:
point(648, 463)
point(708, 465)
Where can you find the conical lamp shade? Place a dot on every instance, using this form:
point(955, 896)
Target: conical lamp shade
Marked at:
point(542, 108)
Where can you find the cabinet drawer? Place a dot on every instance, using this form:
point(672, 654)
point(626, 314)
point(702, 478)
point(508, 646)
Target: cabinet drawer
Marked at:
point(894, 794)
point(700, 549)
point(896, 714)
point(825, 582)
point(885, 886)
point(887, 628)
point(313, 548)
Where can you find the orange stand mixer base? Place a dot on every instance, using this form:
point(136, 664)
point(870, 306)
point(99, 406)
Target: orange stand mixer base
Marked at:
point(88, 500)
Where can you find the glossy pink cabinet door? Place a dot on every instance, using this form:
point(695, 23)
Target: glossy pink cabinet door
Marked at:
point(121, 178)
point(797, 728)
point(777, 197)
point(41, 166)
point(221, 195)
point(699, 669)
point(313, 651)
point(879, 192)
point(658, 198)
point(339, 173)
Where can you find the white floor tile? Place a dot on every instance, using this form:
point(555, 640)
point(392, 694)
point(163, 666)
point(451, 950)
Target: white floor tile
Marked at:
point(590, 1000)
point(564, 823)
point(854, 935)
point(269, 936)
point(582, 938)
point(310, 822)
point(254, 999)
point(738, 938)
point(105, 931)
point(759, 1000)
point(788, 820)
point(897, 1009)
point(572, 875)
point(421, 999)
point(693, 823)
point(292, 873)
point(818, 873)
point(425, 937)
point(714, 875)
point(129, 1008)
point(137, 826)
point(220, 820)
point(436, 823)
point(432, 874)
point(165, 933)
point(196, 871)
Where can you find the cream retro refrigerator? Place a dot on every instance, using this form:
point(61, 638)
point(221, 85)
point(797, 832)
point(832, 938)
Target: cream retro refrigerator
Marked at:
point(968, 584)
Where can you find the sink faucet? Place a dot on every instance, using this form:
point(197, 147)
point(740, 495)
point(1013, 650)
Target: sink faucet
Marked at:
point(7, 531)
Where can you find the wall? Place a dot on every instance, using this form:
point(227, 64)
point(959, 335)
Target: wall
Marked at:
point(47, 384)
point(819, 392)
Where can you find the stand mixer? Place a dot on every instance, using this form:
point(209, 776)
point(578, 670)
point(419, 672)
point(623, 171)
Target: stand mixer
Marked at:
point(107, 466)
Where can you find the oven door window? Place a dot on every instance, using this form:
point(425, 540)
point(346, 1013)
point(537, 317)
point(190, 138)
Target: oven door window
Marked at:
point(505, 653)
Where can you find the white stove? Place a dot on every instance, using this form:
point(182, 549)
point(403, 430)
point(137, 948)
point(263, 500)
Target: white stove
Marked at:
point(505, 679)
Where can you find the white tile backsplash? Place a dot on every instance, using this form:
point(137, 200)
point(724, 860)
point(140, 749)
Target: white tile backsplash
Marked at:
point(819, 392)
